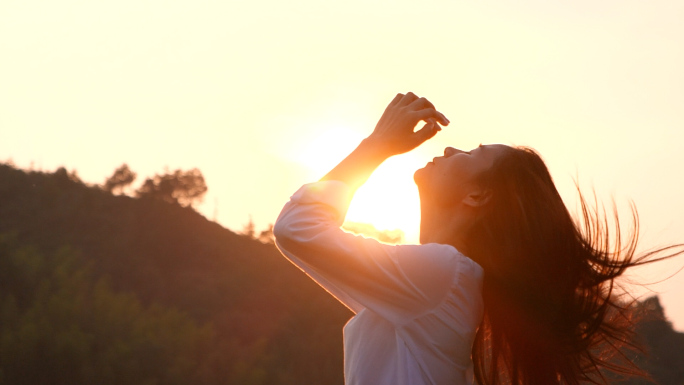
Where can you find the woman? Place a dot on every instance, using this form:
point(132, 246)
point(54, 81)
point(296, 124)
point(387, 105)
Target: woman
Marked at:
point(503, 279)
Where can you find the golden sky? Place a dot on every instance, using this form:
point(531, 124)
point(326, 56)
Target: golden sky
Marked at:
point(263, 96)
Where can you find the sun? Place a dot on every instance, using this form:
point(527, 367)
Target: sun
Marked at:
point(389, 200)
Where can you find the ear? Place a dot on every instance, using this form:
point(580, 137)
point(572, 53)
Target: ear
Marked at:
point(477, 198)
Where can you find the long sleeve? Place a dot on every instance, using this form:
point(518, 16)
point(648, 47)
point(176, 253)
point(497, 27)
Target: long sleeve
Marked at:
point(398, 283)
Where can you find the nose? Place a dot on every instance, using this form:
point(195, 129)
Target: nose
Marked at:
point(452, 151)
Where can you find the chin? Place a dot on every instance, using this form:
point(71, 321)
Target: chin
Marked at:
point(419, 175)
point(420, 178)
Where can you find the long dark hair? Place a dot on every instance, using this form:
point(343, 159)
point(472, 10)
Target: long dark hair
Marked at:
point(551, 314)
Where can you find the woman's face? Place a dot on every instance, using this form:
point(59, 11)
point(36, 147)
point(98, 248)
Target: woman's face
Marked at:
point(450, 178)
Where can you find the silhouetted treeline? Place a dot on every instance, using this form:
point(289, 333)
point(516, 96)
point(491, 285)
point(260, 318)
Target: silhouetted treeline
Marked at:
point(267, 324)
point(98, 288)
point(663, 355)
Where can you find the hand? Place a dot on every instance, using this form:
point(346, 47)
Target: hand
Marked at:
point(395, 133)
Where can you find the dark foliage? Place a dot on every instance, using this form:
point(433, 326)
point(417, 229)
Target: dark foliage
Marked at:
point(663, 348)
point(138, 272)
point(271, 324)
point(182, 187)
point(61, 326)
point(122, 177)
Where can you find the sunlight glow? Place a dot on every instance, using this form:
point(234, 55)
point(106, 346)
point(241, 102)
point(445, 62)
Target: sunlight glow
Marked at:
point(389, 200)
point(263, 97)
point(324, 149)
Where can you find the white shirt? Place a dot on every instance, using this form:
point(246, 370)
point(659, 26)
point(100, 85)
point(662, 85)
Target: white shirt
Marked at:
point(416, 307)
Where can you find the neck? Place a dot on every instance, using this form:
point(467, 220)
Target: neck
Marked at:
point(444, 225)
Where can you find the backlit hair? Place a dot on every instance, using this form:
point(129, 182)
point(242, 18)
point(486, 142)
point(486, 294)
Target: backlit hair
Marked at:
point(551, 314)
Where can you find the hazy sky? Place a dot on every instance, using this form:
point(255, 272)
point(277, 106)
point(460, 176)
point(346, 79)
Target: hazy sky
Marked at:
point(263, 96)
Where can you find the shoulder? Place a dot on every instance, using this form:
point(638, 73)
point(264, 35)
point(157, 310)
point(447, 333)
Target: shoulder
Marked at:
point(438, 261)
point(461, 270)
point(436, 253)
point(450, 283)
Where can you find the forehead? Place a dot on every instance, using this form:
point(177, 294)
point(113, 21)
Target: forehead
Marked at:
point(491, 151)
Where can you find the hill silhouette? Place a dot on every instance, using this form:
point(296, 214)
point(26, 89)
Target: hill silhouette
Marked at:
point(98, 288)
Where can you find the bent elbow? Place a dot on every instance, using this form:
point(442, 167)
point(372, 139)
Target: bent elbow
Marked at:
point(281, 230)
point(286, 230)
point(292, 232)
point(285, 235)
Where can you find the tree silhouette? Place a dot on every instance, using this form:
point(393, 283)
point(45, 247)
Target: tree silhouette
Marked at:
point(181, 187)
point(64, 176)
point(249, 229)
point(266, 236)
point(122, 177)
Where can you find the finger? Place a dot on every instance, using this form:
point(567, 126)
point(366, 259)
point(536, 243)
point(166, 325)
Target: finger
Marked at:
point(421, 103)
point(396, 99)
point(428, 131)
point(426, 113)
point(433, 123)
point(407, 99)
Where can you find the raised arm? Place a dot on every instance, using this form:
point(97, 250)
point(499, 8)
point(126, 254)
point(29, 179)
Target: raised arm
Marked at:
point(360, 272)
point(394, 134)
